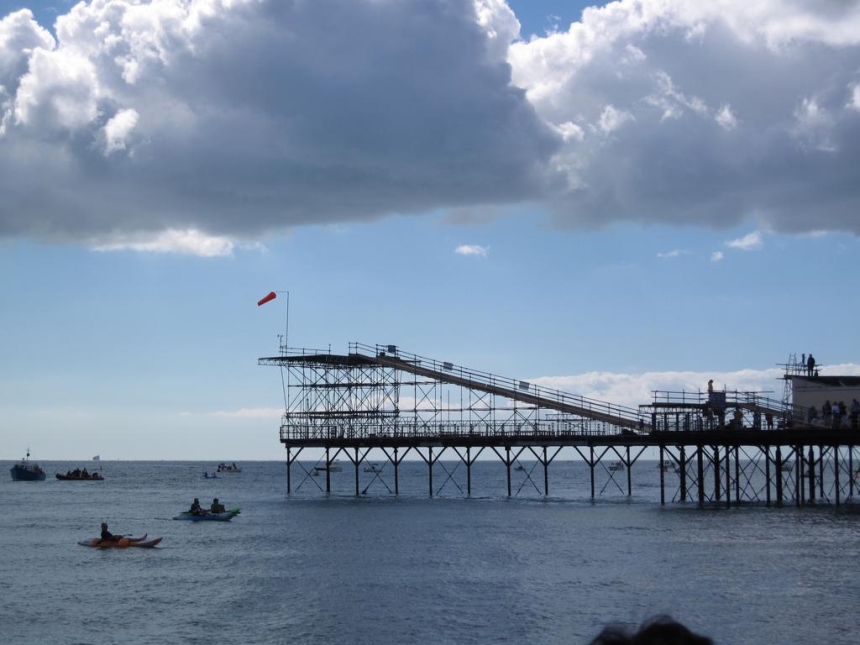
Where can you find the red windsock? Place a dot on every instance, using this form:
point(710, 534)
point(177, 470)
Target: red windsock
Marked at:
point(272, 295)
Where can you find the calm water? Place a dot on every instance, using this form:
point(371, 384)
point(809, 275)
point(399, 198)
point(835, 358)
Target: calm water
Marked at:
point(379, 569)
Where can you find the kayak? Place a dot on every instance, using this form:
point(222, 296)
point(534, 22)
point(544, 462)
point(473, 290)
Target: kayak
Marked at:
point(226, 516)
point(122, 543)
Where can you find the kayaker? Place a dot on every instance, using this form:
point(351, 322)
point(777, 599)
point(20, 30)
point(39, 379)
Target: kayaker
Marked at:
point(217, 507)
point(107, 536)
point(196, 509)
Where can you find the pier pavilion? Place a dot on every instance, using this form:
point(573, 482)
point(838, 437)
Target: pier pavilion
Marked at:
point(721, 447)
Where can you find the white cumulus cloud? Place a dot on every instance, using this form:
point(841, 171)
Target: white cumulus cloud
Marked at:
point(472, 249)
point(241, 119)
point(749, 242)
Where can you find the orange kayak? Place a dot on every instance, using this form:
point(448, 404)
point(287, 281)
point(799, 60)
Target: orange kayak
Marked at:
point(122, 543)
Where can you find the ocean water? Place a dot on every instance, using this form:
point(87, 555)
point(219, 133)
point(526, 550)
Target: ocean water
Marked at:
point(317, 568)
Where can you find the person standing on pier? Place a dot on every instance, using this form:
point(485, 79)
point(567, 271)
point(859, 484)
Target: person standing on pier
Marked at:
point(810, 365)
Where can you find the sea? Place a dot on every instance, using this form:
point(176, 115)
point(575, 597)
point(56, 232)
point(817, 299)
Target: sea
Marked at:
point(312, 567)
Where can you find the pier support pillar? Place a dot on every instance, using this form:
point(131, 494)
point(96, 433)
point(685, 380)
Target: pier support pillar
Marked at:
point(683, 467)
point(430, 468)
point(700, 462)
point(717, 475)
point(545, 474)
point(469, 471)
point(778, 476)
point(591, 468)
point(508, 467)
point(662, 476)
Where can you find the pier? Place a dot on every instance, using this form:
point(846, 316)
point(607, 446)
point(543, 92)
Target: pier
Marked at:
point(725, 447)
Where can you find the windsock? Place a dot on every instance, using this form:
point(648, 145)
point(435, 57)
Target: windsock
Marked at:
point(271, 296)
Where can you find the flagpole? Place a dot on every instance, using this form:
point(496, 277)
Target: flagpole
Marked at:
point(286, 324)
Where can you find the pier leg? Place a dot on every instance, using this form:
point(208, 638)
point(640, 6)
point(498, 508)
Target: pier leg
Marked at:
point(662, 477)
point(357, 483)
point(836, 472)
point(545, 474)
point(430, 468)
point(701, 472)
point(683, 466)
point(717, 475)
point(851, 471)
point(738, 477)
point(508, 467)
point(327, 472)
point(778, 476)
point(396, 473)
point(289, 465)
point(767, 474)
point(811, 476)
point(469, 471)
point(629, 474)
point(591, 468)
point(799, 495)
point(727, 490)
point(821, 472)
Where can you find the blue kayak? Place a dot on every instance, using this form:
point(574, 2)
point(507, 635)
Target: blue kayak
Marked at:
point(226, 516)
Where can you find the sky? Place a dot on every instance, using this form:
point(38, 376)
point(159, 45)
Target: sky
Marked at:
point(609, 199)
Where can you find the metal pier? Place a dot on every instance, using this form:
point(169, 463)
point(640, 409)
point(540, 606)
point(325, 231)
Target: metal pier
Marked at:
point(714, 448)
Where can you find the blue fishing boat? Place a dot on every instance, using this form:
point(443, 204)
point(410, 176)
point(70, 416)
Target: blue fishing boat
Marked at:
point(27, 471)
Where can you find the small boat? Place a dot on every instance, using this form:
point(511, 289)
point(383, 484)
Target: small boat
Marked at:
point(81, 476)
point(616, 465)
point(122, 543)
point(333, 467)
point(520, 468)
point(372, 468)
point(208, 475)
point(228, 468)
point(27, 471)
point(97, 458)
point(226, 516)
point(787, 466)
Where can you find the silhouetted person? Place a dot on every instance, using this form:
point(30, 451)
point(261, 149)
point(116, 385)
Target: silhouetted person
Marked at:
point(659, 631)
point(107, 536)
point(810, 365)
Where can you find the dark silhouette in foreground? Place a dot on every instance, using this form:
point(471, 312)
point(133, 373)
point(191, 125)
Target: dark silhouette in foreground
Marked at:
point(658, 631)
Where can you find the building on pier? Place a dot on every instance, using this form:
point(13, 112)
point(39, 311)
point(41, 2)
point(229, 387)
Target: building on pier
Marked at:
point(725, 447)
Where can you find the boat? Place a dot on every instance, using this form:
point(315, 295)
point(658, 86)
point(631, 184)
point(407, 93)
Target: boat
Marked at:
point(226, 516)
point(520, 468)
point(27, 471)
point(787, 466)
point(616, 465)
point(228, 468)
point(80, 476)
point(97, 458)
point(373, 468)
point(122, 543)
point(333, 467)
point(208, 475)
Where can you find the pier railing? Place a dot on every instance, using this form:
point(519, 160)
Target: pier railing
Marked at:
point(514, 389)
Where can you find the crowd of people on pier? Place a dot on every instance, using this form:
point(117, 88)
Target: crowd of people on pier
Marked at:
point(834, 415)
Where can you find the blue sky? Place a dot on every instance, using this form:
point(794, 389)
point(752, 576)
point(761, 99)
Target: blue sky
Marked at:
point(642, 200)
